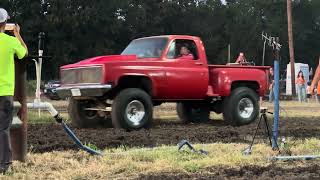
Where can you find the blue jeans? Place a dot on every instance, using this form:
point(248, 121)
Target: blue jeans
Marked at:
point(302, 93)
point(271, 95)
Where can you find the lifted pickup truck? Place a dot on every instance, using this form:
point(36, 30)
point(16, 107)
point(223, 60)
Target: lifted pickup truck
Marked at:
point(149, 72)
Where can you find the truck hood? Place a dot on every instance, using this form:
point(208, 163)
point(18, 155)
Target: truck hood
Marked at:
point(99, 60)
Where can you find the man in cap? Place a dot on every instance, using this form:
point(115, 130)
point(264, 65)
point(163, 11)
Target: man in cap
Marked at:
point(9, 48)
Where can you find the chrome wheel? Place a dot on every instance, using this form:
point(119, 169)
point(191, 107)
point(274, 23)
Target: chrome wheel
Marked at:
point(135, 112)
point(245, 108)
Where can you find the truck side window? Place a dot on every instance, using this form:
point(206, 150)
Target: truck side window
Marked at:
point(175, 46)
point(172, 51)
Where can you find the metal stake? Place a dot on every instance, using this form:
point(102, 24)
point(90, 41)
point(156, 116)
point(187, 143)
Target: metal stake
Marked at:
point(274, 43)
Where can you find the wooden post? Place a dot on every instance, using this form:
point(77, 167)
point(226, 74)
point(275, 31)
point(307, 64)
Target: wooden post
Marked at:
point(19, 134)
point(291, 46)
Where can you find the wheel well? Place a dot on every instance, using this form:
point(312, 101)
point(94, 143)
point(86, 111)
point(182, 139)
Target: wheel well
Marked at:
point(250, 84)
point(140, 82)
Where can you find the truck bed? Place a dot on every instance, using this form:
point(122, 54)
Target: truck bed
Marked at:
point(222, 77)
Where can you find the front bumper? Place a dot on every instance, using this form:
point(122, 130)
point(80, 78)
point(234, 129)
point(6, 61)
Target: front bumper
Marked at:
point(83, 91)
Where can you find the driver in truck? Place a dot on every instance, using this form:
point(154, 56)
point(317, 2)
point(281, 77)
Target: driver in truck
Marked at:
point(185, 53)
point(9, 47)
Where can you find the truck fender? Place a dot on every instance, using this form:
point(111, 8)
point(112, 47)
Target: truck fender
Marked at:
point(136, 80)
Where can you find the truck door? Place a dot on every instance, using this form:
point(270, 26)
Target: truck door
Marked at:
point(187, 76)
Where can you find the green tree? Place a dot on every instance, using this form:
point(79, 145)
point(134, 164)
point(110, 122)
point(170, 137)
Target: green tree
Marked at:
point(77, 30)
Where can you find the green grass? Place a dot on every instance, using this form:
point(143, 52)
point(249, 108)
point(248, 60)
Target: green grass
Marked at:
point(91, 146)
point(45, 117)
point(124, 162)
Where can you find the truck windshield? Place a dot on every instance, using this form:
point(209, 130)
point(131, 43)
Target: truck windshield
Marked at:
point(146, 48)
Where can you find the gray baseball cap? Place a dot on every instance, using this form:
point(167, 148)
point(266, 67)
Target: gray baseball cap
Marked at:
point(3, 15)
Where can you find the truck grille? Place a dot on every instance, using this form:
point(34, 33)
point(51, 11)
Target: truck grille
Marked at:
point(82, 75)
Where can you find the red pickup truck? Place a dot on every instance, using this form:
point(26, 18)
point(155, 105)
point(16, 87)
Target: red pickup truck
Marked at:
point(151, 71)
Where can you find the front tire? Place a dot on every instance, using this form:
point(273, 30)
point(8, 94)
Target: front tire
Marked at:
point(80, 117)
point(193, 112)
point(242, 107)
point(132, 109)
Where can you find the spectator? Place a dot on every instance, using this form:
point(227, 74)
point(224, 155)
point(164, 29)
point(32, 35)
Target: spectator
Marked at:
point(310, 74)
point(309, 91)
point(301, 85)
point(271, 85)
point(241, 58)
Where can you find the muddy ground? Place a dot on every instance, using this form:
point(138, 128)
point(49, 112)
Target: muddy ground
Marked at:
point(50, 137)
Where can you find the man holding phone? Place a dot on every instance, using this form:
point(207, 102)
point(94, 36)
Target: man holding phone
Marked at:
point(9, 48)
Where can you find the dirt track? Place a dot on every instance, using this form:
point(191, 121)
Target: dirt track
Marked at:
point(48, 137)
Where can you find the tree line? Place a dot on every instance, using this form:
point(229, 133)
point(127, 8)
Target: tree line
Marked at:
point(78, 29)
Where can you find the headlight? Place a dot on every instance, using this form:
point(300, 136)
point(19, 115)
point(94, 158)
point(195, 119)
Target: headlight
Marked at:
point(82, 75)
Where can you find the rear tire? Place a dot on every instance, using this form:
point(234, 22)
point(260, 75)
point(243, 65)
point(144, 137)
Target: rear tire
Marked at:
point(132, 109)
point(242, 107)
point(80, 117)
point(193, 112)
